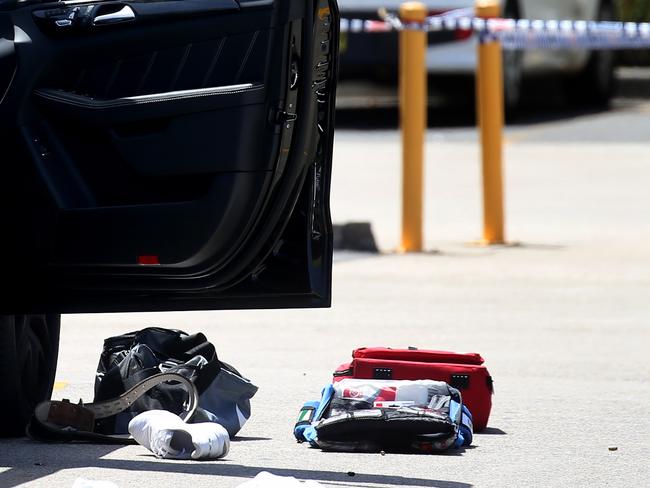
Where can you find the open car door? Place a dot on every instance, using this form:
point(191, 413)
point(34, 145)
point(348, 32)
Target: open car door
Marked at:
point(166, 154)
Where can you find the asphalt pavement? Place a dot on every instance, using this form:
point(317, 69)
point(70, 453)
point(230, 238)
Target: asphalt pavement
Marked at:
point(561, 317)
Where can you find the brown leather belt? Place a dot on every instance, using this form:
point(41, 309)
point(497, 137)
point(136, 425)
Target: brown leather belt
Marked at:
point(64, 420)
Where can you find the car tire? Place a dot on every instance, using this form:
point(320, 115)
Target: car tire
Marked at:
point(595, 84)
point(29, 347)
point(513, 67)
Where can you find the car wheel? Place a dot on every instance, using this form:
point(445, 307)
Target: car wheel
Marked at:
point(596, 83)
point(513, 69)
point(29, 347)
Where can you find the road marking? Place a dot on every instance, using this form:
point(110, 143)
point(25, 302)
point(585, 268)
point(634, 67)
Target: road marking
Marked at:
point(60, 385)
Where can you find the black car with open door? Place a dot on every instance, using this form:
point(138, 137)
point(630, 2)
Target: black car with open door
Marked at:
point(158, 155)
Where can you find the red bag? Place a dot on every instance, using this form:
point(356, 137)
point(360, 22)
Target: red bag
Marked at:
point(463, 371)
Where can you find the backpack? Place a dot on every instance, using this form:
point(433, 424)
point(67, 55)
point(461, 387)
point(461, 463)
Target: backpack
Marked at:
point(356, 415)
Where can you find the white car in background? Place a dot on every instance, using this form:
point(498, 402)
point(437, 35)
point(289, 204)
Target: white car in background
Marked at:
point(588, 75)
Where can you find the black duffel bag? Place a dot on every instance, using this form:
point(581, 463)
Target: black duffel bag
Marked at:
point(126, 360)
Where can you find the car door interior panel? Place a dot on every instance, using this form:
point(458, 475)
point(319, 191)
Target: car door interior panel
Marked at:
point(167, 155)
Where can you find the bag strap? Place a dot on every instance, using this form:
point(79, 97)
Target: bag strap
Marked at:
point(207, 375)
point(108, 408)
point(62, 420)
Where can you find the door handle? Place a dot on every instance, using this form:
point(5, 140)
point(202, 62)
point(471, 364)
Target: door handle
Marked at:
point(125, 14)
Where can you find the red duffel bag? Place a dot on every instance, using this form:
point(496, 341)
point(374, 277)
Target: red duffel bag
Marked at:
point(463, 371)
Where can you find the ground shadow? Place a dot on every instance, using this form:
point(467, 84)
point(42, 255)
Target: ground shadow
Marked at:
point(492, 431)
point(459, 451)
point(477, 250)
point(29, 461)
point(545, 101)
point(634, 83)
point(533, 112)
point(249, 439)
point(540, 246)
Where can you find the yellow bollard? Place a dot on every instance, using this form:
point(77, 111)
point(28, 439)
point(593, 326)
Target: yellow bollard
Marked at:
point(490, 113)
point(413, 112)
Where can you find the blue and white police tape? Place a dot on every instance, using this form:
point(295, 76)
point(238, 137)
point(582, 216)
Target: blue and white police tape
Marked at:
point(391, 22)
point(554, 34)
point(523, 34)
point(372, 26)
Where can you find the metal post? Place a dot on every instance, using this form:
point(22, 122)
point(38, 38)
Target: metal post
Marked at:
point(413, 106)
point(490, 112)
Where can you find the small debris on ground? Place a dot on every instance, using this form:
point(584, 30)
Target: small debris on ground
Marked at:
point(351, 473)
point(613, 448)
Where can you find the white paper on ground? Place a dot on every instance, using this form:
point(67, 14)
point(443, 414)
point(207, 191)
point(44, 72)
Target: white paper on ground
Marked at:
point(85, 483)
point(268, 480)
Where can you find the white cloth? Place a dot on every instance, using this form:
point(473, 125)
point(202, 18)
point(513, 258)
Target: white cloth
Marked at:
point(268, 480)
point(85, 483)
point(167, 436)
